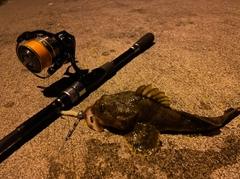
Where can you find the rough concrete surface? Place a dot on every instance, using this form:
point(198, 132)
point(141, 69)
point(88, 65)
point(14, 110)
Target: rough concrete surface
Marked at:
point(195, 61)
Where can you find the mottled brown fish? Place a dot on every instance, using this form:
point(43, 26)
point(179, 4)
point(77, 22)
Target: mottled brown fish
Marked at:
point(141, 115)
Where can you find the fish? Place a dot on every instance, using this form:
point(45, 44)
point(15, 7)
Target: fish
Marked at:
point(141, 116)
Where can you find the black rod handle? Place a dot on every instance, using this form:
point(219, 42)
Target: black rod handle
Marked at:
point(10, 139)
point(145, 41)
point(140, 46)
point(26, 127)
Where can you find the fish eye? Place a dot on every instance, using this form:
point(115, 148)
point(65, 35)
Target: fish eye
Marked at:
point(101, 108)
point(91, 119)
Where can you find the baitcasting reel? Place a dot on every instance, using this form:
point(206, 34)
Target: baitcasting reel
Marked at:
point(39, 49)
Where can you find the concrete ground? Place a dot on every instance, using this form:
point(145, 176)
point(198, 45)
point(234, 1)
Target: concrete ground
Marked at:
point(195, 61)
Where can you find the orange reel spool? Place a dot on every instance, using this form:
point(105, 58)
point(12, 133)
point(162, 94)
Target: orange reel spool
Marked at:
point(39, 49)
point(41, 59)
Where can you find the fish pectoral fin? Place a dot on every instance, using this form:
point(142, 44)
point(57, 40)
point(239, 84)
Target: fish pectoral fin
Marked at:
point(143, 139)
point(153, 93)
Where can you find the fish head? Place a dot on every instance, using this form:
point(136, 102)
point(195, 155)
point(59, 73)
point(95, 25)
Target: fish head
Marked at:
point(93, 122)
point(114, 111)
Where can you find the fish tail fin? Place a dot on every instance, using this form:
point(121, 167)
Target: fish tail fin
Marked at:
point(230, 114)
point(220, 121)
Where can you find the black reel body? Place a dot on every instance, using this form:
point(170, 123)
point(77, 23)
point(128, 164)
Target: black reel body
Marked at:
point(39, 49)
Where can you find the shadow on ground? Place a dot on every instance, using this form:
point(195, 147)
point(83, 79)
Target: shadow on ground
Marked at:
point(103, 160)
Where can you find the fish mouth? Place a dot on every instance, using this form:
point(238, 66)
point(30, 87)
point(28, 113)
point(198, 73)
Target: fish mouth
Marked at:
point(93, 122)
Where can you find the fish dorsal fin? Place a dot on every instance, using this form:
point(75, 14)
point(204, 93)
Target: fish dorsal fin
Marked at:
point(153, 93)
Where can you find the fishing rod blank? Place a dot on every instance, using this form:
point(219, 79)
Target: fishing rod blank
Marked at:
point(73, 94)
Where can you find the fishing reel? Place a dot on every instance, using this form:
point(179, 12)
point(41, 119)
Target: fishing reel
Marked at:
point(38, 50)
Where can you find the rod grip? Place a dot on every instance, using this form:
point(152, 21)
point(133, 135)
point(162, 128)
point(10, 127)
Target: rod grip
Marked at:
point(9, 140)
point(145, 42)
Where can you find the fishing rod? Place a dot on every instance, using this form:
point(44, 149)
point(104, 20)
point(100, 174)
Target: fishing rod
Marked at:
point(43, 49)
